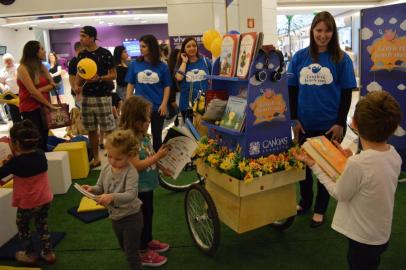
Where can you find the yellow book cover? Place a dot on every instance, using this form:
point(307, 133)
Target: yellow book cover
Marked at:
point(326, 155)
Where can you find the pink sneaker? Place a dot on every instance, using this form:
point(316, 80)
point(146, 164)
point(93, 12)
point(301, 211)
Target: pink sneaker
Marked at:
point(158, 246)
point(151, 258)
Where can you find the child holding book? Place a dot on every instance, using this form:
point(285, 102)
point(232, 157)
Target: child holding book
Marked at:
point(31, 190)
point(366, 190)
point(136, 116)
point(117, 188)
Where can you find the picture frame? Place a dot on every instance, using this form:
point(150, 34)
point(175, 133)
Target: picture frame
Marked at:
point(3, 50)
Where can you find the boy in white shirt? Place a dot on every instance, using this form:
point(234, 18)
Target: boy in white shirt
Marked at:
point(365, 192)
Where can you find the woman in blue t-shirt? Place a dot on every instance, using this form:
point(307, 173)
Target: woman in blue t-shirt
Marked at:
point(320, 96)
point(191, 68)
point(150, 78)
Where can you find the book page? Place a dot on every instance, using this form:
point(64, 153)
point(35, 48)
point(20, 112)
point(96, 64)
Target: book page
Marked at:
point(181, 149)
point(84, 192)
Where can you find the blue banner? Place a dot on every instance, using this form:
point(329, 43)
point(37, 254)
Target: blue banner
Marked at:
point(383, 60)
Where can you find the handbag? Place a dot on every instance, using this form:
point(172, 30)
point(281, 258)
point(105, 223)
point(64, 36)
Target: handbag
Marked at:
point(56, 118)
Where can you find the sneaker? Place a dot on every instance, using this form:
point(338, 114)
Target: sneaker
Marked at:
point(151, 258)
point(23, 257)
point(158, 246)
point(49, 257)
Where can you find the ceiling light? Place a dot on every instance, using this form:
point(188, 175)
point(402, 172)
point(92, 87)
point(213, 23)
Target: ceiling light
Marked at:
point(324, 7)
point(33, 25)
point(76, 25)
point(101, 22)
point(162, 16)
point(143, 21)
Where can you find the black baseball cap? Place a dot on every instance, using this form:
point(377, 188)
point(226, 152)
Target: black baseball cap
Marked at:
point(90, 31)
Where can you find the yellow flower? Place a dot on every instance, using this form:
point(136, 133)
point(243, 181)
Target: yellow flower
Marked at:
point(213, 159)
point(226, 164)
point(248, 178)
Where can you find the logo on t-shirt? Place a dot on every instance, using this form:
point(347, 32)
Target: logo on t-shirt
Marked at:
point(315, 75)
point(195, 75)
point(148, 77)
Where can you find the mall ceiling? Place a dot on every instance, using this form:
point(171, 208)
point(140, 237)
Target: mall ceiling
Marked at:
point(159, 15)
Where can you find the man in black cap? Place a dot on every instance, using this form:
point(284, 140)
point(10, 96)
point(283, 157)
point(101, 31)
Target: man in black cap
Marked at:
point(96, 103)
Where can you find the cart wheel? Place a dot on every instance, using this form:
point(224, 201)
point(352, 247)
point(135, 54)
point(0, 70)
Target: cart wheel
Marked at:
point(182, 183)
point(202, 219)
point(283, 224)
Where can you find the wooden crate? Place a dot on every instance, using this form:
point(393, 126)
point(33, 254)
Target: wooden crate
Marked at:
point(244, 207)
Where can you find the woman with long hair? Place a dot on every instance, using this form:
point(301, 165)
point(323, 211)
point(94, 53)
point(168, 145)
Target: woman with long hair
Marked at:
point(120, 60)
point(191, 70)
point(34, 82)
point(56, 72)
point(150, 78)
point(320, 93)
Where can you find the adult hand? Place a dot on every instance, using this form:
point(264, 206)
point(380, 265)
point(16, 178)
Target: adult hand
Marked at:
point(95, 78)
point(105, 199)
point(297, 130)
point(53, 107)
point(184, 57)
point(337, 133)
point(162, 109)
point(346, 152)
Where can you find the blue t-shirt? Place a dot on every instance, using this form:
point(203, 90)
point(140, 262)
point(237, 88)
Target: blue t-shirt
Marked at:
point(149, 81)
point(195, 72)
point(320, 85)
point(148, 178)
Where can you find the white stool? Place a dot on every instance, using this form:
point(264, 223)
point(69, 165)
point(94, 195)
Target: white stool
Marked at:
point(59, 171)
point(8, 227)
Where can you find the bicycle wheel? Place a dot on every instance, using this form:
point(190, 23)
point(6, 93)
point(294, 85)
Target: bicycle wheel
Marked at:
point(182, 183)
point(202, 219)
point(283, 224)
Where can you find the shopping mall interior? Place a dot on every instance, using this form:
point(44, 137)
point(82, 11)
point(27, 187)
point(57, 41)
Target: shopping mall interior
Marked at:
point(205, 223)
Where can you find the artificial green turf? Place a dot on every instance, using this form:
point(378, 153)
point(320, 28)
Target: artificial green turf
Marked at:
point(93, 246)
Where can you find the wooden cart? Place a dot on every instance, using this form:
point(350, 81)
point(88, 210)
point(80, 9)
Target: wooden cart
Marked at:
point(270, 199)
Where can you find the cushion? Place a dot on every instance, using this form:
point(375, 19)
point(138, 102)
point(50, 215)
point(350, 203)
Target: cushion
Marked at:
point(88, 205)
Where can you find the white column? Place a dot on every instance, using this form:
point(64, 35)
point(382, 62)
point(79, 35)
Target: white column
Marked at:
point(263, 12)
point(191, 17)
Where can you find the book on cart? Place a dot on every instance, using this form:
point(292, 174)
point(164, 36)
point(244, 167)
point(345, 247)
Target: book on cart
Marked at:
point(228, 56)
point(182, 144)
point(330, 159)
point(5, 155)
point(247, 49)
point(234, 114)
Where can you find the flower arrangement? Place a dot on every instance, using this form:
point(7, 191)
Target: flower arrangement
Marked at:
point(233, 164)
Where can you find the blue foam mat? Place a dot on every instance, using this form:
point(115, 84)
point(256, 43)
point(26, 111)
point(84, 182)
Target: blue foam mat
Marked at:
point(9, 249)
point(88, 217)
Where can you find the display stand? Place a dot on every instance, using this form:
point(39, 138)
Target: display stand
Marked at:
point(267, 120)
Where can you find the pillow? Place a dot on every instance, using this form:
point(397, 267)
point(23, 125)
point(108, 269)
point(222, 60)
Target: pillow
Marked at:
point(88, 205)
point(215, 110)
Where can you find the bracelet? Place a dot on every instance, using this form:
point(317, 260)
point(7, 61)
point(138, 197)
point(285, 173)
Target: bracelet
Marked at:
point(180, 72)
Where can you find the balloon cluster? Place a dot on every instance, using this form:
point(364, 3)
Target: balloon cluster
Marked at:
point(212, 41)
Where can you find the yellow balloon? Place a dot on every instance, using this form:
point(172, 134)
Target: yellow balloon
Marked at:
point(87, 68)
point(208, 37)
point(216, 47)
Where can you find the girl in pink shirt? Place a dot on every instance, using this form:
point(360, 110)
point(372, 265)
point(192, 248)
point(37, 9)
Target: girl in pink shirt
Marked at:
point(31, 190)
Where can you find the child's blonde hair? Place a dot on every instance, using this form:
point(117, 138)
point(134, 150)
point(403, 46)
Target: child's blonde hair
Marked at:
point(124, 141)
point(134, 114)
